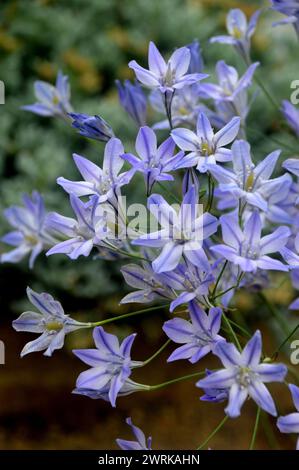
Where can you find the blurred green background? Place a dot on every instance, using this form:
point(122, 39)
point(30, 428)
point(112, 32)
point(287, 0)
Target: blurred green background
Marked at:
point(92, 42)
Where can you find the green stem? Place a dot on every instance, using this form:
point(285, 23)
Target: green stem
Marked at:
point(219, 278)
point(255, 429)
point(213, 433)
point(285, 341)
point(280, 320)
point(270, 436)
point(170, 194)
point(274, 140)
point(232, 331)
point(272, 100)
point(168, 105)
point(126, 253)
point(178, 379)
point(240, 328)
point(126, 315)
point(211, 188)
point(151, 358)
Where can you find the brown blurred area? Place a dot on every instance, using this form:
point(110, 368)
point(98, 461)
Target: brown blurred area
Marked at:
point(38, 411)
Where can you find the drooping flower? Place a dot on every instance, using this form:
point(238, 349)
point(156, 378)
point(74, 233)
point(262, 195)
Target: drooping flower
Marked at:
point(214, 395)
point(89, 229)
point(51, 322)
point(141, 442)
point(244, 375)
point(182, 232)
point(150, 285)
point(106, 182)
point(247, 248)
point(31, 236)
point(110, 363)
point(290, 422)
point(289, 8)
point(197, 337)
point(205, 147)
point(133, 100)
point(154, 162)
point(291, 114)
point(240, 32)
point(52, 100)
point(127, 388)
point(246, 182)
point(92, 127)
point(167, 77)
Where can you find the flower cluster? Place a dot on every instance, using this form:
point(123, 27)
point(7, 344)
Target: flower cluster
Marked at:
point(235, 220)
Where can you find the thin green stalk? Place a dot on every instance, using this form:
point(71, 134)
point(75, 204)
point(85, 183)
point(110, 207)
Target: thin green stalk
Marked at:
point(168, 109)
point(255, 429)
point(127, 315)
point(126, 253)
point(151, 358)
point(178, 379)
point(270, 435)
point(279, 318)
point(213, 433)
point(274, 140)
point(169, 193)
point(249, 335)
point(285, 341)
point(272, 100)
point(219, 278)
point(232, 331)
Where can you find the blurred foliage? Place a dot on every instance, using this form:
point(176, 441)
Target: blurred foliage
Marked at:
point(92, 41)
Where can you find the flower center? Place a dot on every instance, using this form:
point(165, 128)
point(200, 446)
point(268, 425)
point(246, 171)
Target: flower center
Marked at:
point(168, 78)
point(244, 376)
point(249, 182)
point(54, 326)
point(206, 148)
point(237, 33)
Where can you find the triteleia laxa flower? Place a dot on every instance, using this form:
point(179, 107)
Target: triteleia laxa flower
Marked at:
point(104, 182)
point(206, 147)
point(51, 322)
point(110, 363)
point(152, 161)
point(214, 395)
point(89, 229)
point(198, 337)
point(240, 31)
point(191, 281)
point(150, 285)
point(229, 83)
point(141, 443)
point(52, 100)
point(167, 77)
point(247, 182)
point(247, 248)
point(31, 236)
point(92, 127)
point(133, 100)
point(128, 387)
point(182, 232)
point(244, 375)
point(290, 422)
